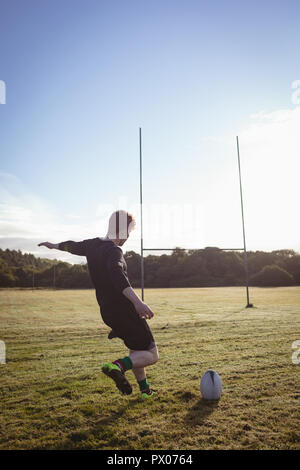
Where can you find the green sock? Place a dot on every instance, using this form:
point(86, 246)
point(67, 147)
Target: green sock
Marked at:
point(124, 364)
point(143, 384)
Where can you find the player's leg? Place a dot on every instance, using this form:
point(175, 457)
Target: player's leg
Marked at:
point(144, 386)
point(138, 357)
point(113, 369)
point(144, 358)
point(139, 373)
point(138, 337)
point(137, 361)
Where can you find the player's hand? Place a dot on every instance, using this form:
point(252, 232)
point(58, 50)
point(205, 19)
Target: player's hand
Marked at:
point(47, 245)
point(143, 310)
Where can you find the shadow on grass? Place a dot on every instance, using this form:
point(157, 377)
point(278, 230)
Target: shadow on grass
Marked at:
point(115, 415)
point(104, 430)
point(200, 411)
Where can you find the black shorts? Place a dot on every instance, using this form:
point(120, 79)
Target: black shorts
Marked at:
point(127, 325)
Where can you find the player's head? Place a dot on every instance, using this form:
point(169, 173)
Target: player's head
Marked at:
point(121, 223)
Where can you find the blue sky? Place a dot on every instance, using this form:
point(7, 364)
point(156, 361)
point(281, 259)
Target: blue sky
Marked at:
point(82, 76)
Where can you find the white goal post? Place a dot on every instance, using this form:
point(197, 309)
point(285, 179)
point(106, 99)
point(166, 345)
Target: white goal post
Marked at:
point(143, 249)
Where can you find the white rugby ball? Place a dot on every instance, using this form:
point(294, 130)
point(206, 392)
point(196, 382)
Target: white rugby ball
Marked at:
point(211, 385)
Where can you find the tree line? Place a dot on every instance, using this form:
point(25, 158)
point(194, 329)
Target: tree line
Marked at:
point(209, 267)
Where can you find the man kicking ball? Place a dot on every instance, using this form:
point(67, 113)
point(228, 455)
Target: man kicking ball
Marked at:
point(121, 309)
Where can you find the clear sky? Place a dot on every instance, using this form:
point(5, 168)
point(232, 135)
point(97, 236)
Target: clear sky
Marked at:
point(81, 77)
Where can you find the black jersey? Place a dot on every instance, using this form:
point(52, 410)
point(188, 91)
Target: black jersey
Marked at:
point(108, 271)
point(107, 268)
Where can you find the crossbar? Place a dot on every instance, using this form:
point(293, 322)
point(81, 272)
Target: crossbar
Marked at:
point(190, 249)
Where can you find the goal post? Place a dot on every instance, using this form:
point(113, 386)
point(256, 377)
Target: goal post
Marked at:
point(143, 250)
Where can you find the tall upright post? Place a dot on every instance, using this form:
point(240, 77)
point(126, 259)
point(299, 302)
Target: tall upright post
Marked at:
point(141, 212)
point(243, 223)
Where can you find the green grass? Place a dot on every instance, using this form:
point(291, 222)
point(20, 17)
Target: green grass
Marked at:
point(54, 396)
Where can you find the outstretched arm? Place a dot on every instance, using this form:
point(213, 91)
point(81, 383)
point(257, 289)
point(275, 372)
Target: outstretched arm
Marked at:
point(76, 248)
point(49, 245)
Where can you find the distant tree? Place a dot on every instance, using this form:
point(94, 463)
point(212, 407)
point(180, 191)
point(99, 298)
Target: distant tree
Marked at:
point(285, 254)
point(133, 261)
point(207, 267)
point(293, 267)
point(79, 277)
point(7, 278)
point(272, 276)
point(257, 260)
point(151, 263)
point(46, 277)
point(25, 276)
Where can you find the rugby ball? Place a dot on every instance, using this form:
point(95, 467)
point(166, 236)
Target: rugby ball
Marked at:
point(211, 385)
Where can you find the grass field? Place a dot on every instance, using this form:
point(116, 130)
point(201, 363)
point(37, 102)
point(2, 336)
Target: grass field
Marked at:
point(53, 395)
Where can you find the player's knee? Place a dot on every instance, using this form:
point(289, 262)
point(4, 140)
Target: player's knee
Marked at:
point(155, 355)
